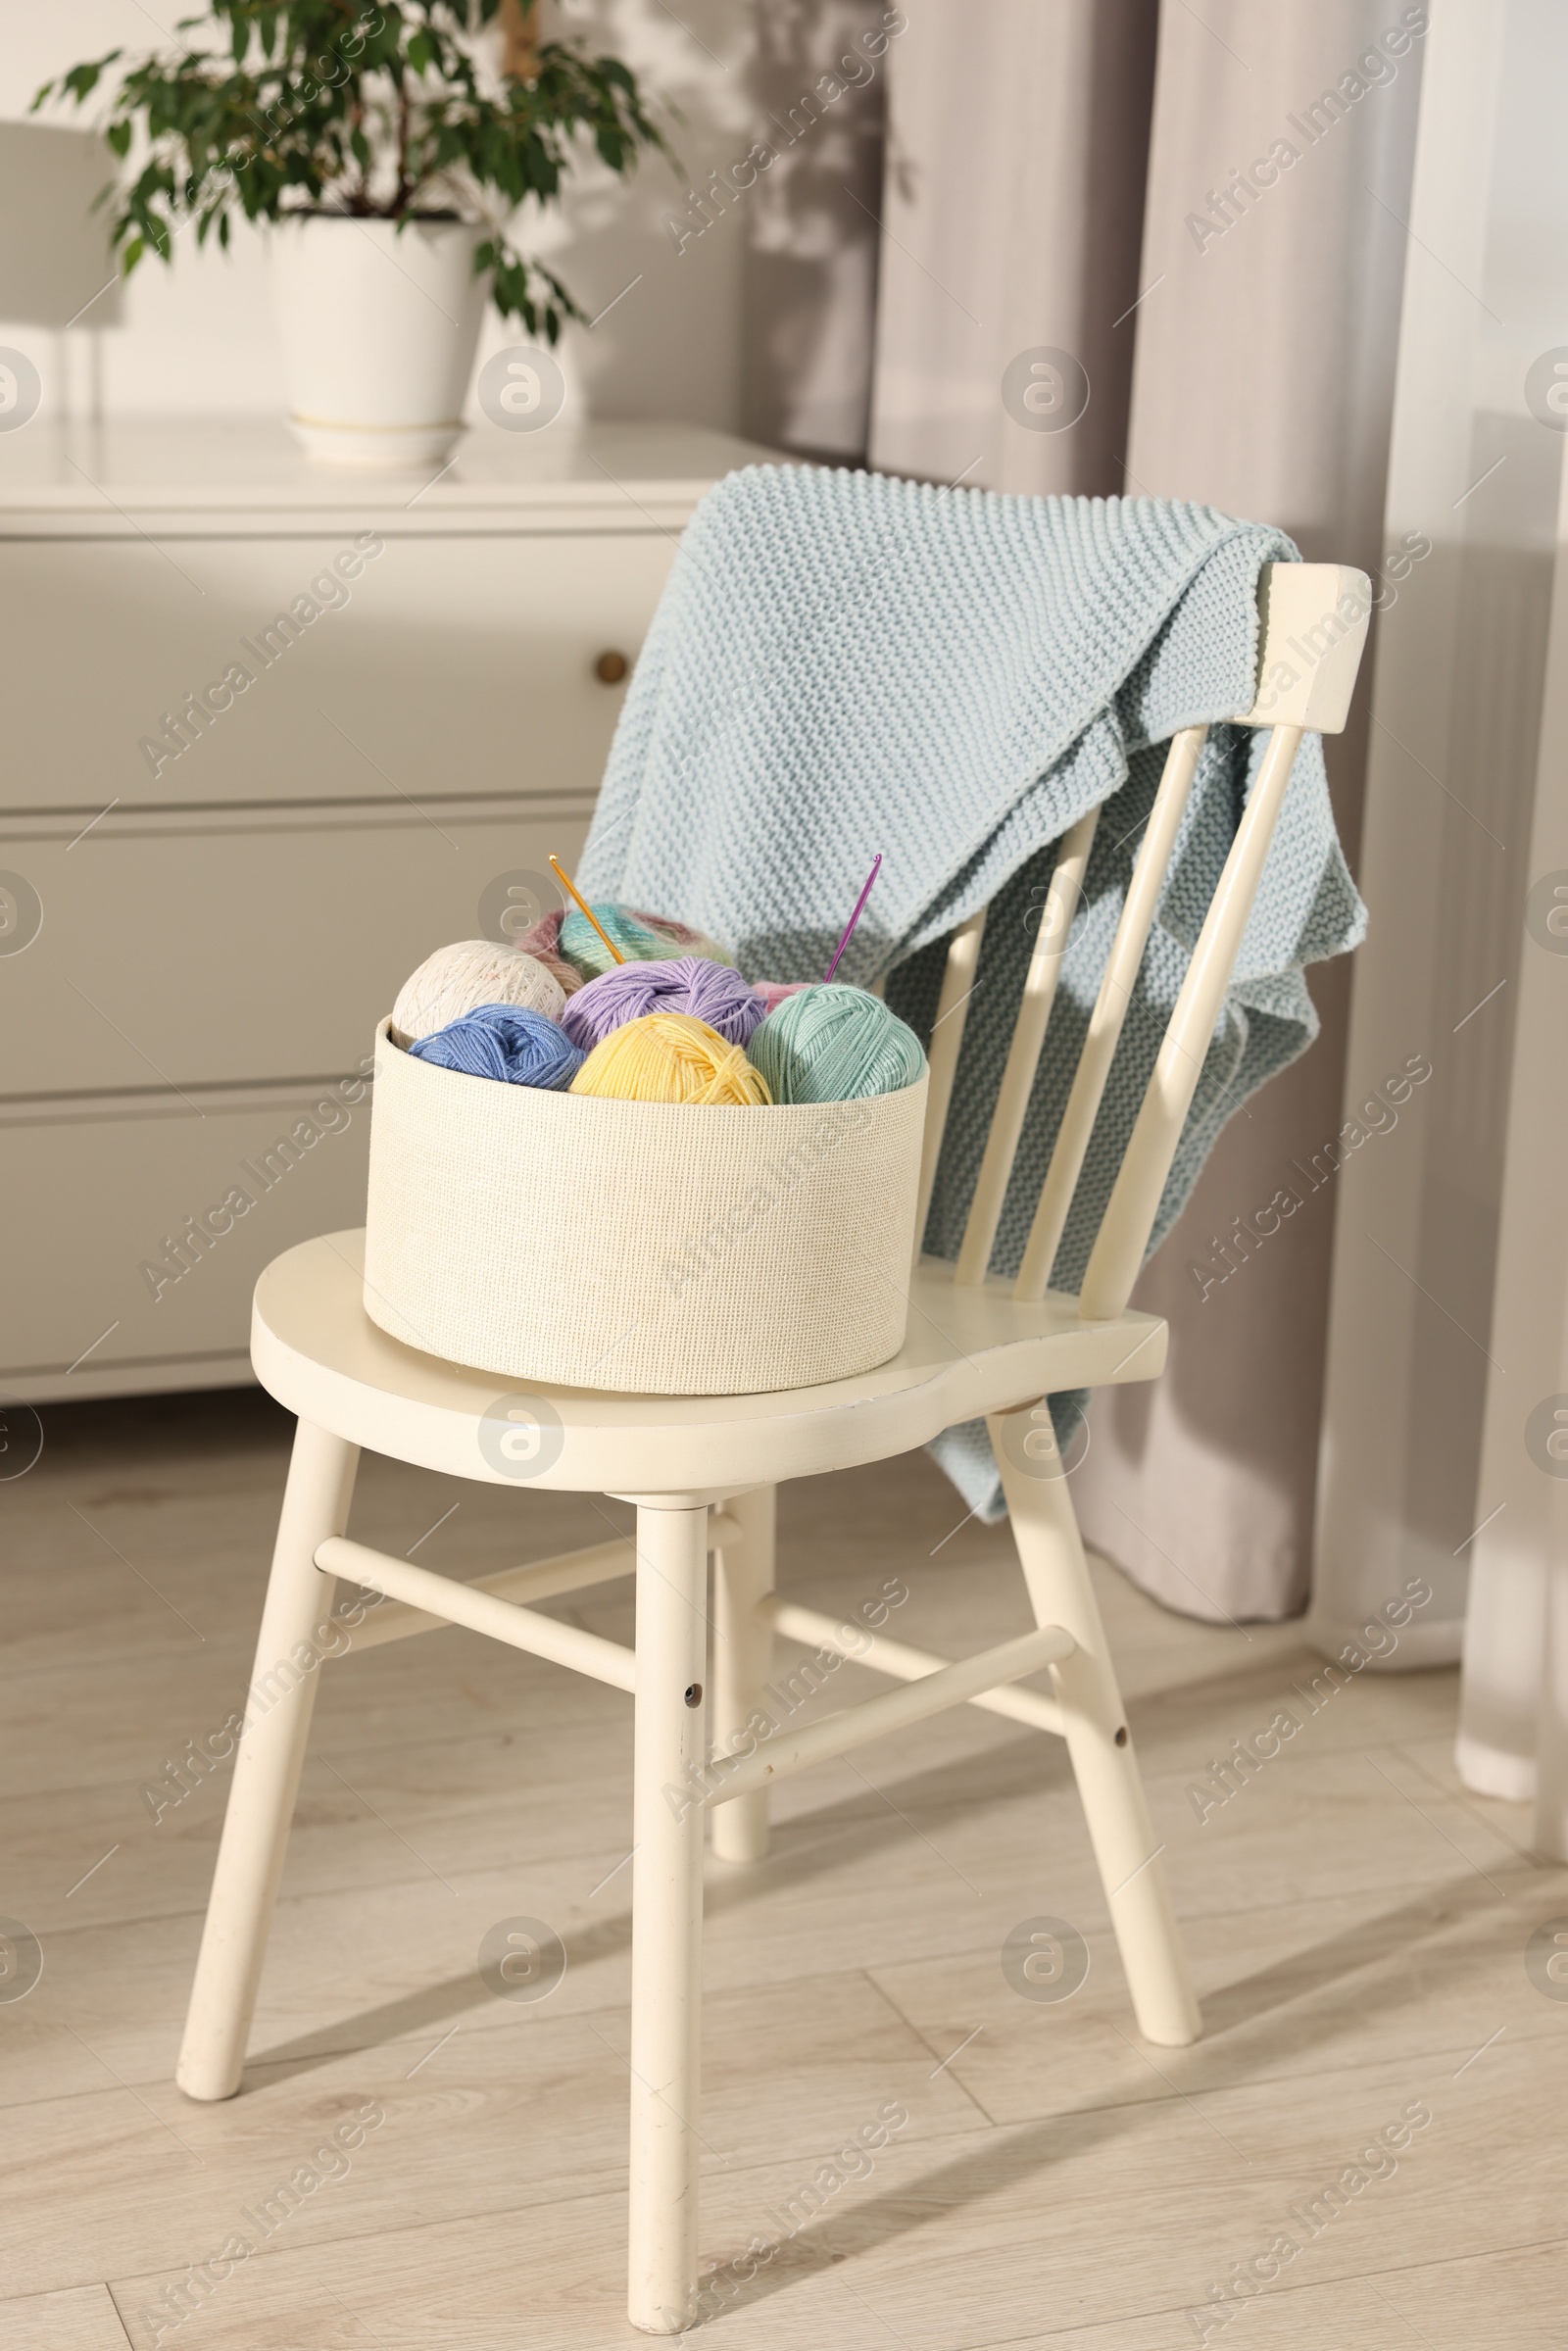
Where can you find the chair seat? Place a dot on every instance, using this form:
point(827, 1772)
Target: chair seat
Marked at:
point(968, 1352)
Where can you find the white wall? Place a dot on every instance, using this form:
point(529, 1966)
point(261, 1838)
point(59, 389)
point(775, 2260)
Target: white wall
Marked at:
point(197, 336)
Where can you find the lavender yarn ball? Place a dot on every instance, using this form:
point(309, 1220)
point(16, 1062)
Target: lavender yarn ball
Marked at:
point(508, 1042)
point(709, 992)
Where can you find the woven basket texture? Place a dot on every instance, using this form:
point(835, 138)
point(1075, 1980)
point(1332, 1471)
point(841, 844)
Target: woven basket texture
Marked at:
point(658, 1249)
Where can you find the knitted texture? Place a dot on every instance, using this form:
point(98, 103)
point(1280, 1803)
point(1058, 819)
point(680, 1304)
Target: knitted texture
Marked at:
point(844, 662)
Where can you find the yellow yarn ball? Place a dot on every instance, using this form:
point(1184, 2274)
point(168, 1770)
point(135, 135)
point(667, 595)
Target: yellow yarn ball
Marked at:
point(671, 1058)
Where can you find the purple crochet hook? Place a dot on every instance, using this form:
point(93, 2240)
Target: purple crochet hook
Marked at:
point(849, 928)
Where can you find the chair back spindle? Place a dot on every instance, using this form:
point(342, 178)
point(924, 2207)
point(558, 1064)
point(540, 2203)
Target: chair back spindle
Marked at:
point(1111, 1011)
point(947, 1035)
point(1130, 1213)
point(1313, 624)
point(1023, 1053)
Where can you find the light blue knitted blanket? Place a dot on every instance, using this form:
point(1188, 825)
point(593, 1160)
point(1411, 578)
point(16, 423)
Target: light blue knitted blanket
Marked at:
point(843, 664)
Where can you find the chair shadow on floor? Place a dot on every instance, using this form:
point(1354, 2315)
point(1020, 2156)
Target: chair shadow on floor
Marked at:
point(1014, 1767)
point(1020, 2153)
point(1300, 1995)
point(1304, 1981)
point(1008, 1769)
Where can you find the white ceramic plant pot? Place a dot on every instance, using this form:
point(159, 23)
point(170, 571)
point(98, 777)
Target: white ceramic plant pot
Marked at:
point(380, 331)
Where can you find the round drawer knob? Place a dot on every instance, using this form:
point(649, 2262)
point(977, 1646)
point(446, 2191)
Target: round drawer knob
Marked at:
point(611, 667)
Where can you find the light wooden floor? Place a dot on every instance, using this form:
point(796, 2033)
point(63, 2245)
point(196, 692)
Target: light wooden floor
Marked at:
point(1356, 1923)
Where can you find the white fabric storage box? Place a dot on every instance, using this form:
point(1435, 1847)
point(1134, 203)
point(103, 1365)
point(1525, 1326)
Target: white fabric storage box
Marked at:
point(662, 1248)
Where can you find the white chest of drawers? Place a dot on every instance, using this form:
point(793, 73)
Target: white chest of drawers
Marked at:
point(271, 734)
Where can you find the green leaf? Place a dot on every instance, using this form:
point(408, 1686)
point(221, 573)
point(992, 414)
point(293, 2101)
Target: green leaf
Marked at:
point(334, 101)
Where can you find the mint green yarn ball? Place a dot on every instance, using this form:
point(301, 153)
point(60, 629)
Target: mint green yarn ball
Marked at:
point(835, 1045)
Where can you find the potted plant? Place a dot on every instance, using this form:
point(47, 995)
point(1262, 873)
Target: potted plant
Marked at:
point(386, 150)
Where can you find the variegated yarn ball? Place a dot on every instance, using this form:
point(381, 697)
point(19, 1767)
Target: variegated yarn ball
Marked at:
point(458, 979)
point(641, 939)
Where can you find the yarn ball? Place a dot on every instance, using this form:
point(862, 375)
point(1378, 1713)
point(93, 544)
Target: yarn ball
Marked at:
point(543, 942)
point(503, 1041)
point(773, 991)
point(474, 971)
point(835, 1043)
point(710, 991)
point(641, 938)
point(682, 937)
point(669, 1057)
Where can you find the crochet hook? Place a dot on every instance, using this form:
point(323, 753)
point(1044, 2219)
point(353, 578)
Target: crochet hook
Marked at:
point(564, 878)
point(849, 928)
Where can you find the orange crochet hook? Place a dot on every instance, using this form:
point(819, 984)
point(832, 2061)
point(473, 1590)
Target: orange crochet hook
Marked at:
point(564, 877)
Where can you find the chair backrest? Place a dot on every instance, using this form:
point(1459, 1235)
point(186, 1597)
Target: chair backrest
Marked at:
point(1314, 623)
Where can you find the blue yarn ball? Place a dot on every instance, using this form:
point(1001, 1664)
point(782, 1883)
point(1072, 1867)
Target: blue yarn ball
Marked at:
point(835, 1045)
point(508, 1042)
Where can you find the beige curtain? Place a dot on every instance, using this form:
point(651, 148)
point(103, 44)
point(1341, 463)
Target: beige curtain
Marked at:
point(1013, 205)
point(1021, 159)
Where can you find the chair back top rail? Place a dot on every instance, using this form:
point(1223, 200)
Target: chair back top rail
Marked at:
point(1314, 619)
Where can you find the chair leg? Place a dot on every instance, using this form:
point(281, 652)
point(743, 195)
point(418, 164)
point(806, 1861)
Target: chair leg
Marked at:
point(1052, 1554)
point(669, 1755)
point(266, 1768)
point(743, 1660)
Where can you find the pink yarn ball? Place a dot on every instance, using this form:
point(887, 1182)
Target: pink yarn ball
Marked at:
point(710, 991)
point(543, 942)
point(773, 991)
point(681, 935)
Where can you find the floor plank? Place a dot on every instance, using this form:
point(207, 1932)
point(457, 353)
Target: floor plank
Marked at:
point(83, 2318)
point(1358, 1923)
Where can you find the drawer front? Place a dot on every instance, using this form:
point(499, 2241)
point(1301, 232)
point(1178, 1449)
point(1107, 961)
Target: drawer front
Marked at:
point(103, 1202)
point(198, 952)
point(448, 667)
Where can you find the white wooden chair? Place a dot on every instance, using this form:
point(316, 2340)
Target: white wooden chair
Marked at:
point(702, 1471)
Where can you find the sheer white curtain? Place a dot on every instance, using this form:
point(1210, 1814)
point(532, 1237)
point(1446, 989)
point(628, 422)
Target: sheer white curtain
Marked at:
point(1034, 200)
point(1456, 702)
point(1513, 1722)
point(1449, 1334)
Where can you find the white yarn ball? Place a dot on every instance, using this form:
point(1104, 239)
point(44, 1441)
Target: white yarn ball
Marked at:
point(458, 979)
